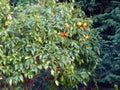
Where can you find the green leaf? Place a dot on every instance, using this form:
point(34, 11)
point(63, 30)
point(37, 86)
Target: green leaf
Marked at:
point(10, 81)
point(56, 82)
point(21, 78)
point(52, 72)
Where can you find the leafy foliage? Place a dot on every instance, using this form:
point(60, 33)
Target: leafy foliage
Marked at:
point(37, 37)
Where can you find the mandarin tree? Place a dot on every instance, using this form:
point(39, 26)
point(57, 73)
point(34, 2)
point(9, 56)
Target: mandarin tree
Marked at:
point(37, 37)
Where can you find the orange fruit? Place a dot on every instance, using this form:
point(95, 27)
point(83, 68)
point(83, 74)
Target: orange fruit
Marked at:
point(67, 26)
point(85, 24)
point(63, 34)
point(78, 24)
point(86, 36)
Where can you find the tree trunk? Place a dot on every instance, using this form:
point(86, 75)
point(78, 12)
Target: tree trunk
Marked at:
point(26, 83)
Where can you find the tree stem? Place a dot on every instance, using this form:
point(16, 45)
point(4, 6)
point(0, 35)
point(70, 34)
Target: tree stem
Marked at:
point(26, 83)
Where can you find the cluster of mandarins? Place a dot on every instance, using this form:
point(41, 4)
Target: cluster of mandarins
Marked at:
point(78, 24)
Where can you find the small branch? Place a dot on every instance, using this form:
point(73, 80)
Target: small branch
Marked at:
point(45, 2)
